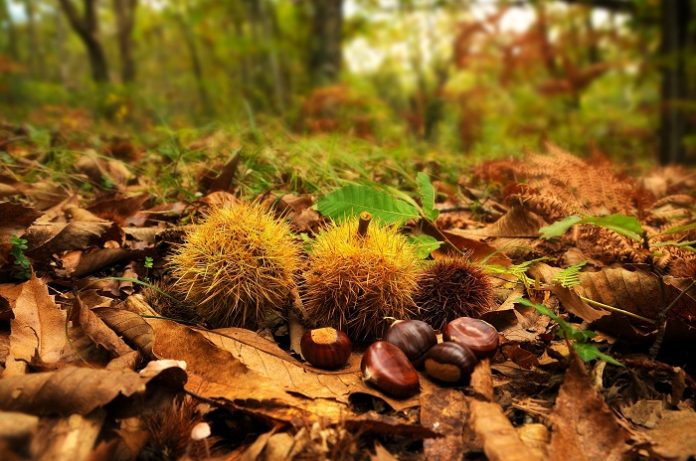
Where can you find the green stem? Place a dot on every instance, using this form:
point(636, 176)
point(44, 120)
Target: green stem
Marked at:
point(615, 309)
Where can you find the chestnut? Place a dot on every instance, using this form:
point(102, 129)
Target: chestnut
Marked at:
point(387, 368)
point(413, 337)
point(449, 362)
point(479, 336)
point(326, 348)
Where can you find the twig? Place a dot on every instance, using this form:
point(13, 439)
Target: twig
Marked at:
point(662, 322)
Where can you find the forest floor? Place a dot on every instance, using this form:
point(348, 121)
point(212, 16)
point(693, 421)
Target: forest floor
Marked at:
point(591, 268)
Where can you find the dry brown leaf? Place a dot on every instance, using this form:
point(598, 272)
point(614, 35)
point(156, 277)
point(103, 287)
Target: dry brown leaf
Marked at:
point(262, 393)
point(46, 239)
point(234, 382)
point(382, 454)
point(78, 263)
point(15, 425)
point(131, 326)
point(117, 208)
point(75, 390)
point(444, 410)
point(673, 435)
point(584, 428)
point(266, 358)
point(67, 439)
point(500, 439)
point(14, 219)
point(98, 331)
point(513, 234)
point(38, 327)
point(98, 170)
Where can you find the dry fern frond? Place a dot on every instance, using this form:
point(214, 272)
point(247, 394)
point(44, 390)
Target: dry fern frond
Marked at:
point(583, 187)
point(356, 283)
point(452, 288)
point(607, 246)
point(237, 266)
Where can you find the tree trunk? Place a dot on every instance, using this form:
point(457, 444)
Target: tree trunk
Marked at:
point(325, 41)
point(676, 15)
point(36, 56)
point(87, 28)
point(124, 11)
point(6, 18)
point(196, 65)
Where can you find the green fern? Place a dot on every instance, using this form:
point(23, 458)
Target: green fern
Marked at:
point(570, 276)
point(519, 271)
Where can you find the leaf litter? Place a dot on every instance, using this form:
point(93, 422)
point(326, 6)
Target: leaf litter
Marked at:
point(99, 363)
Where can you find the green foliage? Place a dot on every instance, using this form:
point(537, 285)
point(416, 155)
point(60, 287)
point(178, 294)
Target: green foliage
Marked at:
point(569, 277)
point(628, 226)
point(427, 196)
point(519, 271)
point(351, 200)
point(559, 227)
point(424, 244)
point(580, 339)
point(22, 265)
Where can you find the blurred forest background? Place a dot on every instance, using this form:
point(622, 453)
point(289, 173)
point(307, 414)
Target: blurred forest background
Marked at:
point(470, 77)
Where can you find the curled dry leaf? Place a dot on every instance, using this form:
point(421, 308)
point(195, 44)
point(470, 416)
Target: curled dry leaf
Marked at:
point(75, 390)
point(38, 327)
point(46, 239)
point(79, 264)
point(584, 428)
point(500, 439)
point(97, 330)
point(130, 325)
point(277, 392)
point(117, 208)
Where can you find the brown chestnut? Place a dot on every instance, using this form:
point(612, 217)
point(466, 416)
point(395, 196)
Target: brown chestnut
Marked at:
point(326, 348)
point(387, 368)
point(479, 336)
point(413, 337)
point(449, 362)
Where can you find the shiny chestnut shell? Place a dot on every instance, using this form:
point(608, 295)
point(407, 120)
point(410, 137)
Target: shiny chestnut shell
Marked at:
point(326, 348)
point(479, 336)
point(413, 337)
point(387, 368)
point(449, 362)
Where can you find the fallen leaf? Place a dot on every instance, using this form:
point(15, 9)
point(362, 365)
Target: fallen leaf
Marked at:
point(499, 438)
point(79, 263)
point(117, 208)
point(75, 390)
point(266, 358)
point(445, 411)
point(98, 331)
point(130, 325)
point(67, 439)
point(584, 428)
point(38, 327)
point(672, 436)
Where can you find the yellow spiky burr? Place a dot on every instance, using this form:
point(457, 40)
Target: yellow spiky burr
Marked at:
point(360, 276)
point(237, 267)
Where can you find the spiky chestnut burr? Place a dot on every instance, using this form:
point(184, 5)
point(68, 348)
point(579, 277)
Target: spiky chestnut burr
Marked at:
point(237, 266)
point(359, 281)
point(452, 288)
